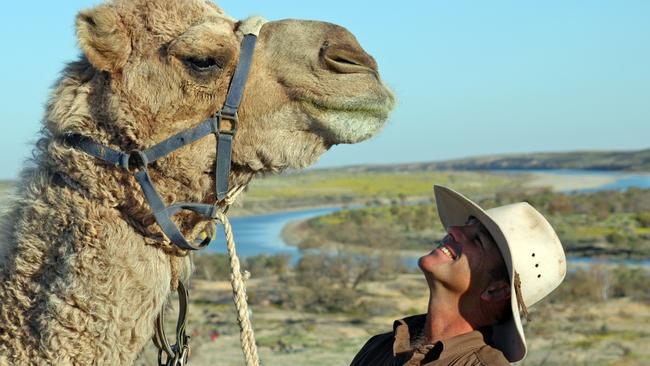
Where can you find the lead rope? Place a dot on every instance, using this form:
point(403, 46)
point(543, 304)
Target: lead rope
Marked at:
point(246, 335)
point(177, 354)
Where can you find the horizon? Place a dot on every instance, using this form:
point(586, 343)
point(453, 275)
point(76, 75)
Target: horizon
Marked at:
point(533, 79)
point(379, 164)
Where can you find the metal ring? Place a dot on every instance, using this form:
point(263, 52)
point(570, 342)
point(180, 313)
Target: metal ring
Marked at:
point(140, 160)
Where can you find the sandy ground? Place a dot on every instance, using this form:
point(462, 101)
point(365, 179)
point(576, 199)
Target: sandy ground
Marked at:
point(559, 182)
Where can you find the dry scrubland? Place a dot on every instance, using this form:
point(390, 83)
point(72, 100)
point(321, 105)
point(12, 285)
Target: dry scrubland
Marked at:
point(577, 326)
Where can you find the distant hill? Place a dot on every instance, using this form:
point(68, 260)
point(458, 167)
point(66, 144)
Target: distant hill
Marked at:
point(588, 160)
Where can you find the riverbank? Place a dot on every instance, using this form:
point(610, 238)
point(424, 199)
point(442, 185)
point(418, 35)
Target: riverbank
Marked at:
point(602, 224)
point(565, 183)
point(297, 233)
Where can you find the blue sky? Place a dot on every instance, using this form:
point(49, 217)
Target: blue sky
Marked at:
point(471, 77)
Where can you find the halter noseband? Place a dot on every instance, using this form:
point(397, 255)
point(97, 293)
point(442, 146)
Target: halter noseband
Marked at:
point(137, 161)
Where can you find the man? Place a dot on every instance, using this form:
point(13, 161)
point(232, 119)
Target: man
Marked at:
point(482, 276)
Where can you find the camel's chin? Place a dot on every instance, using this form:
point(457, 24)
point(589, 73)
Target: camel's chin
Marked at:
point(353, 128)
point(347, 126)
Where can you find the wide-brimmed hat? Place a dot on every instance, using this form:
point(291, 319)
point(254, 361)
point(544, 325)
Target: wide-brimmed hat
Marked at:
point(531, 250)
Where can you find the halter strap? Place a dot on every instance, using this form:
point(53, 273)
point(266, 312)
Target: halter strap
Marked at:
point(137, 161)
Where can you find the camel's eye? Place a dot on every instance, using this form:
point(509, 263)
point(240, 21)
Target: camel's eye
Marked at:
point(202, 65)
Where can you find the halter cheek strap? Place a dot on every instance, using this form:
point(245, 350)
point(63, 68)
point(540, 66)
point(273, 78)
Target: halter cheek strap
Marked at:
point(137, 161)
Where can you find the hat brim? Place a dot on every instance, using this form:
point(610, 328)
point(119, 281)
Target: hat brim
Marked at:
point(454, 209)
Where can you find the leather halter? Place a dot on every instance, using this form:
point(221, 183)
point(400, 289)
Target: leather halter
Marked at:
point(137, 161)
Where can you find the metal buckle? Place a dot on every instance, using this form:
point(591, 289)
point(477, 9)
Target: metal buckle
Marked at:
point(234, 121)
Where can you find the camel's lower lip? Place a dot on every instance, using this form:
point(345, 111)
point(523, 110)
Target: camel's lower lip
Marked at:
point(380, 110)
point(347, 121)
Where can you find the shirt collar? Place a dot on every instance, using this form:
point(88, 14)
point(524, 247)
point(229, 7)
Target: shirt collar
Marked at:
point(408, 329)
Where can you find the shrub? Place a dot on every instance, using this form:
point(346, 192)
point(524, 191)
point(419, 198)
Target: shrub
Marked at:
point(265, 265)
point(631, 282)
point(331, 281)
point(616, 238)
point(216, 266)
point(598, 283)
point(643, 218)
point(212, 266)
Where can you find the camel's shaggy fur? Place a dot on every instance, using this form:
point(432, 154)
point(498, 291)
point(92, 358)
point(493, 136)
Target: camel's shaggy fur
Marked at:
point(84, 268)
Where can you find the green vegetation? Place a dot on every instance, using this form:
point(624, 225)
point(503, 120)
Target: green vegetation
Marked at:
point(609, 223)
point(340, 186)
point(384, 227)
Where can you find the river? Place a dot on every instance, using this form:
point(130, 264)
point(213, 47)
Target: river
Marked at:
point(261, 234)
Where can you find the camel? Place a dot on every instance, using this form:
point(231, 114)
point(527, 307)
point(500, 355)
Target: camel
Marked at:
point(85, 269)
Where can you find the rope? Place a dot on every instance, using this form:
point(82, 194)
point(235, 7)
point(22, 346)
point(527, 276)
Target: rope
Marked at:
point(246, 335)
point(177, 353)
point(520, 298)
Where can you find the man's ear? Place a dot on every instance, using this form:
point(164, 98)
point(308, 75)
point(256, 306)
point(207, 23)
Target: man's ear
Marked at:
point(102, 38)
point(497, 291)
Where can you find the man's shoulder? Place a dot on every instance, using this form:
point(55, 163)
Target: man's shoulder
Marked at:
point(465, 350)
point(490, 356)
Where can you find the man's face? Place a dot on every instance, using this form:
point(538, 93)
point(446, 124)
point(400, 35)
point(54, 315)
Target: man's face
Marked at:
point(463, 261)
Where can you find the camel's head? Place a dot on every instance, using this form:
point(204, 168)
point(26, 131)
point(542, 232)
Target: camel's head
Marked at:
point(168, 65)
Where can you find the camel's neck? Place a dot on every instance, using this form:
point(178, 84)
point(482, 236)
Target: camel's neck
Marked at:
point(79, 282)
point(79, 285)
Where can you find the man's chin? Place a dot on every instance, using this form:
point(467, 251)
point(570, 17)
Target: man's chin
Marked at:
point(437, 267)
point(434, 259)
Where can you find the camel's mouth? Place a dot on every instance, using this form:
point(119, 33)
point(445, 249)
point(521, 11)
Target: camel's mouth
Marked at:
point(349, 121)
point(376, 109)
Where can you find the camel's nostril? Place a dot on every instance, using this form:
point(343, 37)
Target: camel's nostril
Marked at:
point(343, 60)
point(346, 59)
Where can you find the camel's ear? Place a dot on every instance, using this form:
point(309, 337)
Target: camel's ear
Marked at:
point(102, 38)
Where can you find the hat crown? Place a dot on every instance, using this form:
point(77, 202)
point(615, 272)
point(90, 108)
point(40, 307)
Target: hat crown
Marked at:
point(537, 254)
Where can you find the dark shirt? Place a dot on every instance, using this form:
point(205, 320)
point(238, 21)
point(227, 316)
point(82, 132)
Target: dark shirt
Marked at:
point(399, 348)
